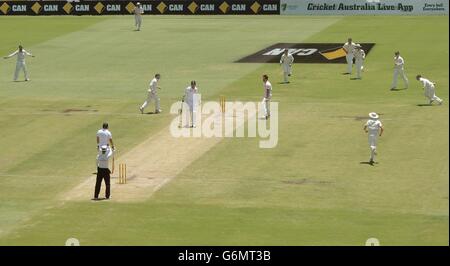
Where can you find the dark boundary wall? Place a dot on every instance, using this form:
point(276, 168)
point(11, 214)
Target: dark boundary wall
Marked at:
point(170, 7)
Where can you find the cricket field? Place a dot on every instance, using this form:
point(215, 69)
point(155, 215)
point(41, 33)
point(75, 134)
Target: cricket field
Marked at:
point(311, 189)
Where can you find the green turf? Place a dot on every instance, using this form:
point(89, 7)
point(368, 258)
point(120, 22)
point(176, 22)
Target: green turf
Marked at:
point(310, 190)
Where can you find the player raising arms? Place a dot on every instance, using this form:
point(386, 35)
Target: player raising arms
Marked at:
point(20, 65)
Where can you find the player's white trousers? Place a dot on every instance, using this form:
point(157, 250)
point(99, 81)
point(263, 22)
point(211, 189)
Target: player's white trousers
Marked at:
point(399, 72)
point(191, 114)
point(373, 146)
point(349, 58)
point(359, 67)
point(138, 21)
point(430, 94)
point(266, 106)
point(152, 97)
point(287, 70)
point(20, 66)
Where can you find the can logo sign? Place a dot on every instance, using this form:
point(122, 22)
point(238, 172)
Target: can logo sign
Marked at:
point(303, 53)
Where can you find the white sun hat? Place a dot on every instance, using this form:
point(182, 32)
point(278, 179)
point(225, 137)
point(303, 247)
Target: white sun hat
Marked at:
point(374, 115)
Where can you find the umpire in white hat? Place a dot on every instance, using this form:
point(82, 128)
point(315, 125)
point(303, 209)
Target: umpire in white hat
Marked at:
point(103, 172)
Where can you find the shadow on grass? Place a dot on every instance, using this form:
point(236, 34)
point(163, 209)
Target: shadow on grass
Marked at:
point(368, 163)
point(99, 199)
point(424, 104)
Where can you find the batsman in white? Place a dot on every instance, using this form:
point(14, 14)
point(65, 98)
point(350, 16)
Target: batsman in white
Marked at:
point(359, 55)
point(104, 137)
point(191, 98)
point(152, 95)
point(399, 64)
point(267, 96)
point(286, 61)
point(429, 90)
point(20, 64)
point(374, 128)
point(138, 11)
point(349, 46)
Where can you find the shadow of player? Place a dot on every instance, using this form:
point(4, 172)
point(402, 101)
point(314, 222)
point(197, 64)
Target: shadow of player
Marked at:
point(368, 163)
point(399, 89)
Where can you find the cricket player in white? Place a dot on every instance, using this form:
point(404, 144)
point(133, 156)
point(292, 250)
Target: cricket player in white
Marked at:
point(359, 55)
point(267, 96)
point(20, 64)
point(374, 128)
point(104, 137)
point(191, 99)
point(399, 70)
point(286, 61)
point(152, 95)
point(429, 90)
point(138, 11)
point(349, 46)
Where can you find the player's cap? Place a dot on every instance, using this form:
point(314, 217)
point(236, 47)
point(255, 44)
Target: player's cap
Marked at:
point(374, 115)
point(138, 3)
point(104, 147)
point(358, 45)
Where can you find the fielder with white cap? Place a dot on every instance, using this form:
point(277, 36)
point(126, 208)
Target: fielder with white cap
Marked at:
point(374, 128)
point(359, 55)
point(20, 64)
point(152, 95)
point(286, 61)
point(138, 11)
point(267, 96)
point(399, 70)
point(429, 90)
point(349, 46)
point(191, 98)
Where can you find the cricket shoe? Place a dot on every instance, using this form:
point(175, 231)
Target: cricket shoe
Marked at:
point(158, 111)
point(141, 109)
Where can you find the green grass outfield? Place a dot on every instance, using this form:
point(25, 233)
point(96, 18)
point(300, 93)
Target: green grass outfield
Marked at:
point(236, 193)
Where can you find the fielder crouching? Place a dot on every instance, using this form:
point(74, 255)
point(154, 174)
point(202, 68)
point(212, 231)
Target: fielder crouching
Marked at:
point(429, 90)
point(103, 172)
